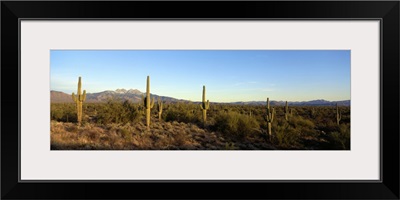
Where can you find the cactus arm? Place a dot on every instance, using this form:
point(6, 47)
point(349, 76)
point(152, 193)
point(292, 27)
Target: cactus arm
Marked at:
point(152, 103)
point(84, 95)
point(160, 104)
point(73, 97)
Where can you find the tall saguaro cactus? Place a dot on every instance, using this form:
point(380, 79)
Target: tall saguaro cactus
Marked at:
point(79, 99)
point(160, 108)
point(287, 113)
point(205, 105)
point(338, 114)
point(269, 117)
point(148, 104)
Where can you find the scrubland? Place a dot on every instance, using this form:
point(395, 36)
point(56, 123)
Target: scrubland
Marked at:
point(118, 125)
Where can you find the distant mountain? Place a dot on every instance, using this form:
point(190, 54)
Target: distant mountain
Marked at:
point(135, 96)
point(60, 97)
point(319, 102)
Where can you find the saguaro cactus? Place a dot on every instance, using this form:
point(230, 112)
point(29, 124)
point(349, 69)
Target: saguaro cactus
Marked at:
point(269, 117)
point(204, 105)
point(148, 104)
point(160, 108)
point(286, 110)
point(338, 114)
point(79, 99)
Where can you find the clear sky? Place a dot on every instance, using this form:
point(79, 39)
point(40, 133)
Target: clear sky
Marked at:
point(229, 75)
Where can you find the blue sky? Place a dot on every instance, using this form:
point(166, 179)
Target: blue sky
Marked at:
point(229, 75)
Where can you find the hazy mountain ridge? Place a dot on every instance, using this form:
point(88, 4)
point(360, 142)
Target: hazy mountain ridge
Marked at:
point(135, 96)
point(319, 102)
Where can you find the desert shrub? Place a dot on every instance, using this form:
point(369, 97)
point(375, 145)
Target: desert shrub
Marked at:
point(329, 126)
point(299, 122)
point(304, 126)
point(117, 112)
point(63, 112)
point(286, 136)
point(124, 133)
point(57, 114)
point(181, 114)
point(230, 146)
point(236, 124)
point(340, 140)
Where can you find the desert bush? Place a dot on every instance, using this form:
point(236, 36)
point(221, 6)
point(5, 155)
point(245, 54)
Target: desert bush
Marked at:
point(63, 112)
point(340, 140)
point(232, 124)
point(230, 146)
point(181, 113)
point(286, 136)
point(236, 124)
point(125, 133)
point(117, 112)
point(305, 127)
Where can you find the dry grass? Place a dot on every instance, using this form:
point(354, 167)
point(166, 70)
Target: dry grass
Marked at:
point(161, 136)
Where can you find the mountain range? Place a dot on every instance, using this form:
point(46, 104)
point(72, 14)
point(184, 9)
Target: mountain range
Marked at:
point(135, 96)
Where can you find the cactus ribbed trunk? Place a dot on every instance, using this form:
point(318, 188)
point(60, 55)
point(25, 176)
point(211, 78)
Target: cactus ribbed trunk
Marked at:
point(148, 104)
point(148, 118)
point(286, 112)
point(269, 129)
point(338, 115)
point(269, 118)
point(79, 99)
point(205, 105)
point(160, 108)
point(79, 111)
point(148, 101)
point(159, 116)
point(204, 108)
point(204, 116)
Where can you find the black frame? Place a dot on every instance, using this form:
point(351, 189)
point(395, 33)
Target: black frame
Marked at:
point(386, 11)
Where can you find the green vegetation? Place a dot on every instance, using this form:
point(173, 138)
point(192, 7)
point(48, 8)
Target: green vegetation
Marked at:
point(120, 124)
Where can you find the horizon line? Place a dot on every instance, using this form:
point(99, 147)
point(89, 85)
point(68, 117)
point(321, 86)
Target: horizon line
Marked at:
point(218, 101)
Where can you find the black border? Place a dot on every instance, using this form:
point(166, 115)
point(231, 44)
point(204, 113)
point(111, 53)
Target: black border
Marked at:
point(386, 11)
